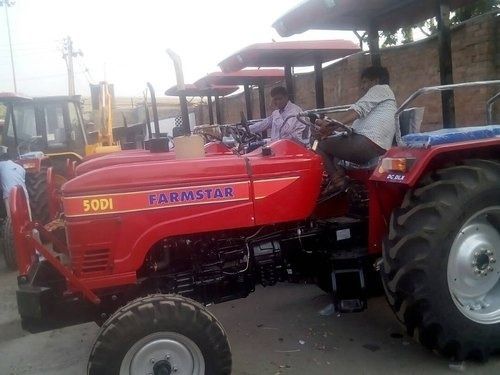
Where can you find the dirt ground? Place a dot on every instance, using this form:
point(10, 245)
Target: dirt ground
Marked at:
point(276, 330)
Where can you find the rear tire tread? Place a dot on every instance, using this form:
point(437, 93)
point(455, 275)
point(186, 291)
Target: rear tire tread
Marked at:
point(418, 230)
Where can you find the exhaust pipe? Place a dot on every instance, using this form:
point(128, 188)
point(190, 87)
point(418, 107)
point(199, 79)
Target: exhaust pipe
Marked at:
point(179, 75)
point(155, 110)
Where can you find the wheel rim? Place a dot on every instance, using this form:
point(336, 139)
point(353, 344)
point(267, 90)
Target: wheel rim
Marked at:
point(473, 272)
point(163, 353)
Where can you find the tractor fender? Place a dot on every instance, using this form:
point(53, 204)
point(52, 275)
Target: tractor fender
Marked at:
point(425, 159)
point(387, 189)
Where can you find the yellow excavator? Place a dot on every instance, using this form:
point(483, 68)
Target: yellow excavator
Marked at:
point(49, 132)
point(53, 125)
point(102, 105)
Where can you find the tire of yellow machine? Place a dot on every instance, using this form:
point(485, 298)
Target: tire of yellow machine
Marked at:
point(9, 251)
point(36, 184)
point(161, 334)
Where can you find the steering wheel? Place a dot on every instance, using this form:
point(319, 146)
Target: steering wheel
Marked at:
point(26, 144)
point(337, 128)
point(246, 136)
point(208, 137)
point(244, 122)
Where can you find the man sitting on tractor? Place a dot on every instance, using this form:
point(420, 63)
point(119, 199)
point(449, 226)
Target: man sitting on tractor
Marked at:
point(292, 129)
point(11, 174)
point(372, 131)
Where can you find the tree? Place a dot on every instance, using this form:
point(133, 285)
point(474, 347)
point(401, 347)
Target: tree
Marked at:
point(476, 9)
point(429, 27)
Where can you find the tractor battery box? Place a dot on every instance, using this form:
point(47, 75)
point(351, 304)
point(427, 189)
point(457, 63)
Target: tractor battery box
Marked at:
point(347, 232)
point(34, 302)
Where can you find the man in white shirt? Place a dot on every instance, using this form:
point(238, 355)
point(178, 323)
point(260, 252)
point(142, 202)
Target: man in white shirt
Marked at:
point(11, 174)
point(373, 128)
point(292, 129)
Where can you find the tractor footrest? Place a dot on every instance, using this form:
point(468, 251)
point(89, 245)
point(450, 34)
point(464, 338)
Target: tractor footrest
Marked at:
point(351, 305)
point(349, 290)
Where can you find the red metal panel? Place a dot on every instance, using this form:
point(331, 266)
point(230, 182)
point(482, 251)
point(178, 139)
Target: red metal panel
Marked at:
point(387, 189)
point(193, 90)
point(295, 53)
point(242, 77)
point(252, 190)
point(151, 175)
point(134, 156)
point(433, 157)
point(20, 221)
point(147, 200)
point(74, 281)
point(286, 185)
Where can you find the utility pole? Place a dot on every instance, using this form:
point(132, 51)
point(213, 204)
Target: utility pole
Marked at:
point(6, 4)
point(68, 55)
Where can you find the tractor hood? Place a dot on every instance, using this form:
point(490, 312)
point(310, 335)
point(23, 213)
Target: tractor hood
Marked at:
point(134, 156)
point(281, 184)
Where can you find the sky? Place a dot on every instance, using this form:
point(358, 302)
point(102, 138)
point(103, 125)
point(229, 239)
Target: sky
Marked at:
point(124, 41)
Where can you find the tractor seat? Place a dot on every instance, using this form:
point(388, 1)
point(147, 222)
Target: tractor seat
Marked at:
point(444, 136)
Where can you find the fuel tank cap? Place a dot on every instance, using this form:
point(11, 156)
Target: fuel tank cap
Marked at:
point(266, 151)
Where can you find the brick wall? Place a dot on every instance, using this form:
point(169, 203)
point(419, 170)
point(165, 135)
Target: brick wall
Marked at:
point(475, 54)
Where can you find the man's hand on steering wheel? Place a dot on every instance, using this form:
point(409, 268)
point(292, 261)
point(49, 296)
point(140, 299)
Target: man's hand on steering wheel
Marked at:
point(246, 135)
point(326, 127)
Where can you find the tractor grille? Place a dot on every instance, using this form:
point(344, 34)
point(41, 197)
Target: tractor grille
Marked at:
point(95, 261)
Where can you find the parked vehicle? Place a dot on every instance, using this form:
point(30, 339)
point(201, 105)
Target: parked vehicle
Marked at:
point(47, 135)
point(140, 251)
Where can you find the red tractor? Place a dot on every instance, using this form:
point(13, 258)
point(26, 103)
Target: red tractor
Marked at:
point(146, 235)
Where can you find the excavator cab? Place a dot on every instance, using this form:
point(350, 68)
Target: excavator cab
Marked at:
point(53, 125)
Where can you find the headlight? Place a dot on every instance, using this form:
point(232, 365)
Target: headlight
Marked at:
point(400, 165)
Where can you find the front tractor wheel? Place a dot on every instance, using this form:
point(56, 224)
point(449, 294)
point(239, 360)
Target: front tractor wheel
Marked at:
point(161, 334)
point(440, 269)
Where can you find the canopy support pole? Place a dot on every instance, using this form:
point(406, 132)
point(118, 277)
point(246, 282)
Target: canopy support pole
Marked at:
point(289, 82)
point(210, 110)
point(248, 101)
point(373, 43)
point(318, 83)
point(218, 111)
point(445, 62)
point(262, 100)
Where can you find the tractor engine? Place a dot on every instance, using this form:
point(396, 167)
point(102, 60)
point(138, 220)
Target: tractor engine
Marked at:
point(213, 267)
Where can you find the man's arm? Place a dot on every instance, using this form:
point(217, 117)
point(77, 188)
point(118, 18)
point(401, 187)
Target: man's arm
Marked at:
point(261, 125)
point(328, 125)
point(349, 117)
point(293, 129)
point(375, 95)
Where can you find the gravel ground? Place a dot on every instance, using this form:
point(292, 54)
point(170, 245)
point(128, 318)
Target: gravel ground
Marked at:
point(276, 330)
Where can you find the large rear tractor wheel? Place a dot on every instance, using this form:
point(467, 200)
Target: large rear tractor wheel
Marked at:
point(36, 184)
point(9, 251)
point(161, 334)
point(440, 269)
